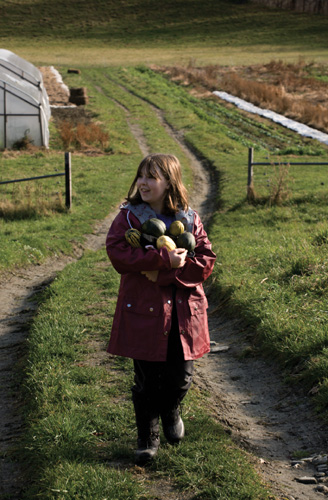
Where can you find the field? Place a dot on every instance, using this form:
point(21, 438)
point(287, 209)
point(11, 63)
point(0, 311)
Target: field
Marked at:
point(271, 270)
point(131, 32)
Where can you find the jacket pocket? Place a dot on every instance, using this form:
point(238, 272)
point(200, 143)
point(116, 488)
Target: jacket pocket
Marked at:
point(197, 305)
point(134, 306)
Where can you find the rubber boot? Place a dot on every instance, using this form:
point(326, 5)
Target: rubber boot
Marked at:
point(147, 420)
point(173, 426)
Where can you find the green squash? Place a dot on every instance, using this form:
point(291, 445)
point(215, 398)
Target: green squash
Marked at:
point(186, 240)
point(154, 227)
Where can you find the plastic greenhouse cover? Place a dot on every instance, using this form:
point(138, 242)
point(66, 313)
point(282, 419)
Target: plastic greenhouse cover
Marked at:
point(24, 118)
point(26, 105)
point(18, 85)
point(20, 66)
point(21, 88)
point(282, 120)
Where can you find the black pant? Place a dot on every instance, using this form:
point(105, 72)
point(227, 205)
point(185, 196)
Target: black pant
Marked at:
point(162, 385)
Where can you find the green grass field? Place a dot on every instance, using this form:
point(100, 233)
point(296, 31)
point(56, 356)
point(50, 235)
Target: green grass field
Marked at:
point(140, 31)
point(271, 268)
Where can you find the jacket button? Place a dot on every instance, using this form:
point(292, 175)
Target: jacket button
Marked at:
point(151, 309)
point(166, 333)
point(180, 301)
point(169, 302)
point(128, 305)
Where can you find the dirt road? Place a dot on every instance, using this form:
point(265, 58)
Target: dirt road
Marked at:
point(248, 395)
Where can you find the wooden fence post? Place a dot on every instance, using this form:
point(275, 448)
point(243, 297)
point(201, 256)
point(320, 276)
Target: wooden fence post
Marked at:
point(68, 180)
point(250, 167)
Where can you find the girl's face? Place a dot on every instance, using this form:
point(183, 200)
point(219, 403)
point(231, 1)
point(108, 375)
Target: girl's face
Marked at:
point(152, 189)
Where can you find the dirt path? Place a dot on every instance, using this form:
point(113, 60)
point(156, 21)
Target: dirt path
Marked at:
point(248, 394)
point(18, 305)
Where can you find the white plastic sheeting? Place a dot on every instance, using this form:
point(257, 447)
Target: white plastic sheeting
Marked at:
point(24, 103)
point(300, 128)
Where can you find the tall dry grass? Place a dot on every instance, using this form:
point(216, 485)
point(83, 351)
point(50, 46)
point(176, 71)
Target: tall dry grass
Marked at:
point(279, 186)
point(206, 76)
point(29, 201)
point(277, 95)
point(277, 99)
point(82, 135)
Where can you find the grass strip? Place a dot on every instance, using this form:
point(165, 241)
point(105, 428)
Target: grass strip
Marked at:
point(80, 435)
point(271, 266)
point(98, 183)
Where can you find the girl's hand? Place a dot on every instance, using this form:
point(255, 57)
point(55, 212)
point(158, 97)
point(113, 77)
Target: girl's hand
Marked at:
point(178, 257)
point(151, 275)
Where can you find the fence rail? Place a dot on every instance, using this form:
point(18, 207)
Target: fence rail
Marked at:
point(251, 163)
point(68, 180)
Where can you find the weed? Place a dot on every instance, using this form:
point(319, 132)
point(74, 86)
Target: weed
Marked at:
point(251, 194)
point(66, 130)
point(31, 201)
point(321, 238)
point(25, 143)
point(82, 135)
point(206, 76)
point(279, 185)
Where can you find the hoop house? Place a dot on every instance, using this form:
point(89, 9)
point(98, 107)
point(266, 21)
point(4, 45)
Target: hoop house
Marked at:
point(24, 104)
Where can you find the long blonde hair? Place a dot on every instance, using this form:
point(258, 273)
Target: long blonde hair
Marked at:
point(176, 196)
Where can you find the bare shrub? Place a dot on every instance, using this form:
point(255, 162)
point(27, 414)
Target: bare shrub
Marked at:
point(66, 131)
point(82, 135)
point(279, 190)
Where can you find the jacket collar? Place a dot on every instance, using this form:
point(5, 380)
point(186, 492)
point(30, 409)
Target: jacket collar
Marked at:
point(144, 212)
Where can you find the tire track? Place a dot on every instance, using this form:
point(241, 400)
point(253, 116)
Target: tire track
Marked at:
point(203, 197)
point(248, 395)
point(18, 305)
point(18, 292)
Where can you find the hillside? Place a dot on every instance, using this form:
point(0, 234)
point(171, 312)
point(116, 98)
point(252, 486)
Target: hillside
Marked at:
point(130, 31)
point(310, 6)
point(253, 407)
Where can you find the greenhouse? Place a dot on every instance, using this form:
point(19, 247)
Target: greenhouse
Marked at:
point(24, 104)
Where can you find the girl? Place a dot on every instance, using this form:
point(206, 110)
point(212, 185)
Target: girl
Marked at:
point(160, 319)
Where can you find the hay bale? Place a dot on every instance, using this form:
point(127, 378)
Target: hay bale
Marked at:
point(78, 96)
point(78, 92)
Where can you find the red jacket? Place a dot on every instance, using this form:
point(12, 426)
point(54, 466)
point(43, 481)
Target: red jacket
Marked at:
point(142, 318)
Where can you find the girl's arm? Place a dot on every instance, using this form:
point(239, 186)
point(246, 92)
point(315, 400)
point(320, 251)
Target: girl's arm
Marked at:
point(177, 258)
point(197, 269)
point(126, 259)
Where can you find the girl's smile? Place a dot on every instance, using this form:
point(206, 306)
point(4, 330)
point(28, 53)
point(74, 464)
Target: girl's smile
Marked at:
point(152, 189)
